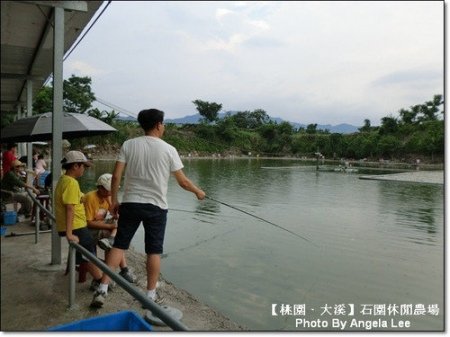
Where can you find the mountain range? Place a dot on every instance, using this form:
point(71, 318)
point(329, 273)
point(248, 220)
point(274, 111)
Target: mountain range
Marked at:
point(195, 119)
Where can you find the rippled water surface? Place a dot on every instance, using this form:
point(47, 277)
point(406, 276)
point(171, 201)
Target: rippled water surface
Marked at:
point(371, 244)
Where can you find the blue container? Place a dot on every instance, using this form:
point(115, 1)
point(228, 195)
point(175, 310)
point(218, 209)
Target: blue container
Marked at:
point(9, 218)
point(121, 321)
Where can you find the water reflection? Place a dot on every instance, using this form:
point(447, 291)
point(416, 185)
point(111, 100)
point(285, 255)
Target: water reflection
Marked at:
point(415, 206)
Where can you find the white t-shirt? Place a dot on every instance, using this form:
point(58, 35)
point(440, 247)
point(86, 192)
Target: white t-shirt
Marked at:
point(149, 163)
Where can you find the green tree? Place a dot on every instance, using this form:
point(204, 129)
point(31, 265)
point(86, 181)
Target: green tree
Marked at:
point(311, 129)
point(259, 117)
point(241, 119)
point(433, 138)
point(407, 116)
point(366, 127)
point(430, 109)
point(388, 146)
point(106, 116)
point(77, 96)
point(250, 120)
point(43, 102)
point(7, 118)
point(209, 111)
point(336, 142)
point(389, 125)
point(96, 113)
point(227, 129)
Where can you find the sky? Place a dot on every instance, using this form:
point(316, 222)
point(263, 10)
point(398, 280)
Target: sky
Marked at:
point(306, 62)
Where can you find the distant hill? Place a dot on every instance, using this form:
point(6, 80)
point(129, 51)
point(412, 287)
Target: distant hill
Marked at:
point(126, 118)
point(195, 119)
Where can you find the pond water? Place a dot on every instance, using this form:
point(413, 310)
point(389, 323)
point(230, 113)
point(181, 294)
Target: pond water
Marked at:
point(374, 255)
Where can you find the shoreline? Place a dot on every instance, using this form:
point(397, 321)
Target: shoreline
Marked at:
point(109, 156)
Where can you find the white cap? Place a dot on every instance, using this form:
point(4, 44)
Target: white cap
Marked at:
point(75, 157)
point(105, 181)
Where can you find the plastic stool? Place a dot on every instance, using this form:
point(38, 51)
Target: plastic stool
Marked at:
point(44, 199)
point(81, 269)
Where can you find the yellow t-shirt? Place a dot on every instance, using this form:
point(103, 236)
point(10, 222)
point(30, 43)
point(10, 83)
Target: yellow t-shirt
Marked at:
point(96, 208)
point(67, 192)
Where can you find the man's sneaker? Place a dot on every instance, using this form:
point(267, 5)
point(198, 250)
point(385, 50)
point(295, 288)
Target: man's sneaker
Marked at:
point(128, 275)
point(106, 243)
point(158, 300)
point(99, 299)
point(94, 285)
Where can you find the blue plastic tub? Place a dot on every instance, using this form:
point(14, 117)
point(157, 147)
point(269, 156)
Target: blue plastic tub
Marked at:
point(120, 321)
point(9, 218)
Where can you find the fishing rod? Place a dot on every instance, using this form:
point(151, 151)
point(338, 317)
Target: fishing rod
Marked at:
point(259, 218)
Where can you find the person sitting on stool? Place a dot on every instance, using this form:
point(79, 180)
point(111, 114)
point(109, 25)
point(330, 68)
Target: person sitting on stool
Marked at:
point(12, 182)
point(96, 204)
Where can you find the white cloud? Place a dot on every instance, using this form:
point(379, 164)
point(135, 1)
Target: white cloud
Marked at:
point(260, 24)
point(82, 68)
point(221, 12)
point(310, 62)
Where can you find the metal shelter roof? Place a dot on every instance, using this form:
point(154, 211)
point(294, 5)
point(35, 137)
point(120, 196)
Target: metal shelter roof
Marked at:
point(33, 33)
point(27, 43)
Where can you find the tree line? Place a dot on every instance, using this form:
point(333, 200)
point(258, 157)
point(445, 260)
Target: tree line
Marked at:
point(417, 131)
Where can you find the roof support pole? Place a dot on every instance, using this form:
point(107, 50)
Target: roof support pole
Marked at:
point(29, 114)
point(57, 118)
point(21, 149)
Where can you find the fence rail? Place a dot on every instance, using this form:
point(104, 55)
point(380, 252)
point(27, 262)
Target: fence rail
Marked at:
point(156, 309)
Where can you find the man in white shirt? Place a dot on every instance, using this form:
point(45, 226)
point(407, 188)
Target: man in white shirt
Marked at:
point(148, 162)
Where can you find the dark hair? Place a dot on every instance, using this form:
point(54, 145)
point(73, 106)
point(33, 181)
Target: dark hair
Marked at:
point(68, 166)
point(11, 145)
point(149, 118)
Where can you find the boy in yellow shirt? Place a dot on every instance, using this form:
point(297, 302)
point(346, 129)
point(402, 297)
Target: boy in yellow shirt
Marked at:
point(97, 204)
point(69, 208)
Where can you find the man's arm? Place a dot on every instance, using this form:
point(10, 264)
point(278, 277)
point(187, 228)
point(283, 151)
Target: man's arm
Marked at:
point(115, 183)
point(188, 185)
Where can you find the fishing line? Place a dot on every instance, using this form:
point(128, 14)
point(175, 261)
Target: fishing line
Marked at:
point(193, 212)
point(259, 218)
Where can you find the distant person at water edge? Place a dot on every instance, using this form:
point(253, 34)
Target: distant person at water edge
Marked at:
point(69, 208)
point(148, 162)
point(11, 184)
point(9, 156)
point(103, 229)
